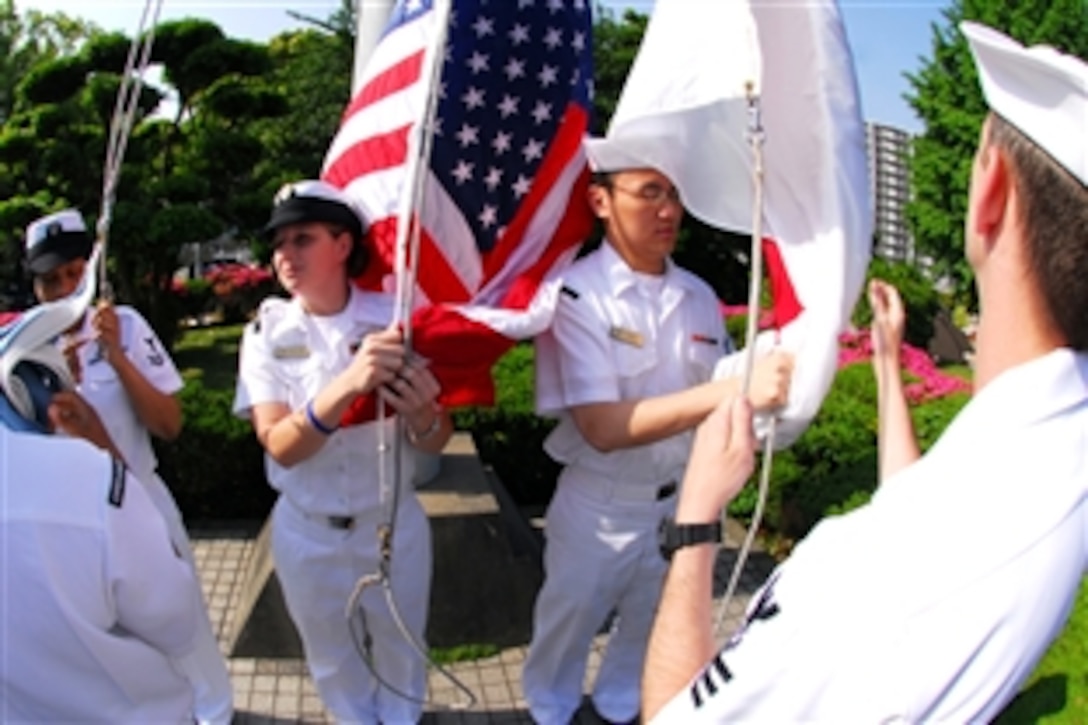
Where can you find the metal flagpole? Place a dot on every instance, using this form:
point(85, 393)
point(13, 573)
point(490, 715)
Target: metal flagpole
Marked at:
point(406, 259)
point(124, 115)
point(756, 137)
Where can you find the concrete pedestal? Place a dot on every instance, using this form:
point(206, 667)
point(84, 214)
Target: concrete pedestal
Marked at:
point(481, 593)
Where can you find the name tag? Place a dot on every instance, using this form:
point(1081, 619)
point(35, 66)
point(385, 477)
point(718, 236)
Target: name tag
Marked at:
point(628, 337)
point(291, 352)
point(705, 339)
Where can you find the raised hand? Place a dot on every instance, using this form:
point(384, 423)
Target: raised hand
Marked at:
point(72, 415)
point(889, 320)
point(412, 393)
point(377, 361)
point(771, 376)
point(107, 328)
point(722, 460)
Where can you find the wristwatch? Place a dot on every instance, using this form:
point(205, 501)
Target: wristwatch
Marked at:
point(672, 536)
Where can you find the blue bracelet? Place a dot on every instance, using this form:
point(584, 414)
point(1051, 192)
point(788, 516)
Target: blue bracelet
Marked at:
point(315, 422)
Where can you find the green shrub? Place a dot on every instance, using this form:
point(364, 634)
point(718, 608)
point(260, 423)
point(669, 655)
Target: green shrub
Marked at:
point(510, 436)
point(194, 297)
point(737, 328)
point(832, 467)
point(215, 468)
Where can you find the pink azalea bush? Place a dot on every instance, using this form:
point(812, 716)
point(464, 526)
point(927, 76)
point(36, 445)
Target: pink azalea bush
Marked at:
point(229, 278)
point(234, 288)
point(928, 383)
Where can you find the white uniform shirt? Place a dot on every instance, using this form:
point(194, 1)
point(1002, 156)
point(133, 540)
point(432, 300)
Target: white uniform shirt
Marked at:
point(93, 598)
point(287, 357)
point(102, 388)
point(936, 600)
point(619, 335)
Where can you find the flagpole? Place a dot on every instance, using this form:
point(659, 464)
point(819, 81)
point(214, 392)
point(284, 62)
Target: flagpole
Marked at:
point(756, 137)
point(755, 289)
point(419, 152)
point(124, 114)
point(371, 17)
point(405, 262)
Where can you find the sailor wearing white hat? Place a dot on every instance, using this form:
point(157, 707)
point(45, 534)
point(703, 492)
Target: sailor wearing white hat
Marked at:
point(626, 368)
point(935, 601)
point(303, 363)
point(97, 603)
point(123, 371)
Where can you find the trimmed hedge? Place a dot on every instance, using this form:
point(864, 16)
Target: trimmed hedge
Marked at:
point(830, 469)
point(509, 435)
point(215, 468)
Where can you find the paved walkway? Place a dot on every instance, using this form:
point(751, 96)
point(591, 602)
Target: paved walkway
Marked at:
point(270, 691)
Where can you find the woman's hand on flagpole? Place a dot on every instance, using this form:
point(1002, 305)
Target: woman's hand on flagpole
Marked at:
point(376, 362)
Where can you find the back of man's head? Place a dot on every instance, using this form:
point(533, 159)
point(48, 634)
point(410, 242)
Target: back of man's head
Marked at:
point(1039, 100)
point(1055, 226)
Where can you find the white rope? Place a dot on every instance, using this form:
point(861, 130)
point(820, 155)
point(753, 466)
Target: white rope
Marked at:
point(755, 140)
point(406, 259)
point(124, 115)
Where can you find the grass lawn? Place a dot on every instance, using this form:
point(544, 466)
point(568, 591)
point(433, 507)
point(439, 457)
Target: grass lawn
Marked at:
point(209, 354)
point(1058, 690)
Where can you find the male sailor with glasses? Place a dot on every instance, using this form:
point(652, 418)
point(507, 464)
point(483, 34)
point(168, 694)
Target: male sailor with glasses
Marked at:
point(627, 369)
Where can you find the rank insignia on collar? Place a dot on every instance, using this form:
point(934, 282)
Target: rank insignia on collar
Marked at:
point(291, 352)
point(628, 337)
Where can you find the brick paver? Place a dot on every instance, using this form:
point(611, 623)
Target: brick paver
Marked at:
point(275, 691)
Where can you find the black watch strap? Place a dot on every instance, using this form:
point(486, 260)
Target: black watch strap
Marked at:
point(673, 536)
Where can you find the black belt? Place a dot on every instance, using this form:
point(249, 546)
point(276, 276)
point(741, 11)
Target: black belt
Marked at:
point(666, 491)
point(341, 523)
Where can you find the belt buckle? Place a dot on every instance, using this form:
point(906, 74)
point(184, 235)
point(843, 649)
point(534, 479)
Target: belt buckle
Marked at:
point(342, 523)
point(666, 491)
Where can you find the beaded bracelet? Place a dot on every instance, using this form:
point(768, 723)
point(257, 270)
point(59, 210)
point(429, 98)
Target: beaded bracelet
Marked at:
point(320, 427)
point(433, 428)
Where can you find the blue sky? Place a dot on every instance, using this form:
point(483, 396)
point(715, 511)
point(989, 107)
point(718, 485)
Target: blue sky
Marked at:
point(887, 36)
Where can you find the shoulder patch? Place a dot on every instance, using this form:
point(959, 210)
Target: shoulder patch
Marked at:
point(572, 293)
point(117, 484)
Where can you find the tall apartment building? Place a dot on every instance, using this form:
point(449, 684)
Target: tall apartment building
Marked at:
point(888, 150)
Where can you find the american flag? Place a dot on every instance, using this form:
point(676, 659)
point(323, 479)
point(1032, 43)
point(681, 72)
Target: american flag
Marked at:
point(503, 201)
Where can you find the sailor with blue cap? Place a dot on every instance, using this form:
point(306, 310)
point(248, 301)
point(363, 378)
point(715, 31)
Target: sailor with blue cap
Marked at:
point(121, 368)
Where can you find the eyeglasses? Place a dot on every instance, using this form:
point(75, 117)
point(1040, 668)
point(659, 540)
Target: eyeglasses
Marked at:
point(652, 193)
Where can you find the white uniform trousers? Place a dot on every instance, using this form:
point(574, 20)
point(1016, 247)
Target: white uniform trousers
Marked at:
point(601, 554)
point(319, 566)
point(204, 668)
